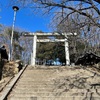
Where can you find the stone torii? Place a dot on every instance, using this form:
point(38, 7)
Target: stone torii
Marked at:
point(35, 40)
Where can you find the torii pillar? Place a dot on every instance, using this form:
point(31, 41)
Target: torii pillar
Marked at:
point(67, 52)
point(33, 56)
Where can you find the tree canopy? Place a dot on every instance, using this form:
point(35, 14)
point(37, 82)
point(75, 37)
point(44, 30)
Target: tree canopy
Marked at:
point(87, 8)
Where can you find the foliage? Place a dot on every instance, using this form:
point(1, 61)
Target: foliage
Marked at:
point(45, 51)
point(50, 51)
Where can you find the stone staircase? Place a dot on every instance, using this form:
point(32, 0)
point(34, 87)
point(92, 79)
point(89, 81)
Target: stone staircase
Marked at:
point(56, 84)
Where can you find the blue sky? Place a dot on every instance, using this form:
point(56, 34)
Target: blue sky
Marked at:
point(25, 19)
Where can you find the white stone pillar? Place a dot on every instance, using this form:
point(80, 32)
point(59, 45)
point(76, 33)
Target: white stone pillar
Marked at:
point(67, 52)
point(34, 51)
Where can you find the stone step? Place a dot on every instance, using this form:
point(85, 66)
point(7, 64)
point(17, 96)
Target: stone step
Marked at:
point(32, 78)
point(50, 87)
point(33, 86)
point(35, 81)
point(40, 94)
point(22, 98)
point(51, 93)
point(46, 93)
point(38, 72)
point(40, 78)
point(51, 90)
point(37, 77)
point(44, 76)
point(34, 90)
point(52, 98)
point(37, 85)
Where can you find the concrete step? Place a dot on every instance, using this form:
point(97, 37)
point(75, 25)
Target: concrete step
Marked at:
point(44, 87)
point(33, 89)
point(22, 98)
point(36, 81)
point(36, 72)
point(51, 90)
point(35, 84)
point(40, 94)
point(52, 98)
point(44, 93)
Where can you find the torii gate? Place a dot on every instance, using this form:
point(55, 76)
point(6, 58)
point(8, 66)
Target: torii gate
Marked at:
point(35, 40)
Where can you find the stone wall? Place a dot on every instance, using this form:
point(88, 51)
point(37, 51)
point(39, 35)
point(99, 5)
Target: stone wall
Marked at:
point(9, 68)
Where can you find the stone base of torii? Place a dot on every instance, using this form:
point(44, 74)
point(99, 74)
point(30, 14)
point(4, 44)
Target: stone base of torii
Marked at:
point(35, 40)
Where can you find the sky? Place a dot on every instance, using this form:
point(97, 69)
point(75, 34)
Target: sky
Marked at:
point(25, 18)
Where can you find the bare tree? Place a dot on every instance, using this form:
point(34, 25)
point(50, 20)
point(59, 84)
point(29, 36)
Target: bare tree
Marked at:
point(83, 7)
point(81, 16)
